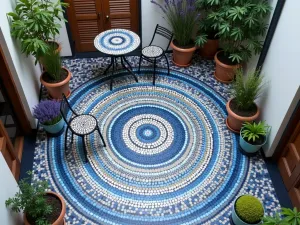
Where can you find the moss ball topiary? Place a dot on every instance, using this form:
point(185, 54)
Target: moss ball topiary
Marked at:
point(249, 209)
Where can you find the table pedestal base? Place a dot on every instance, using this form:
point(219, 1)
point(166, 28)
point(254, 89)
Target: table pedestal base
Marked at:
point(113, 64)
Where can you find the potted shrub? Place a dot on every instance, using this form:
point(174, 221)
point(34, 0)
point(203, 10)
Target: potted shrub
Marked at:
point(35, 24)
point(247, 210)
point(55, 77)
point(182, 16)
point(240, 25)
point(241, 107)
point(285, 217)
point(48, 114)
point(39, 206)
point(207, 39)
point(253, 136)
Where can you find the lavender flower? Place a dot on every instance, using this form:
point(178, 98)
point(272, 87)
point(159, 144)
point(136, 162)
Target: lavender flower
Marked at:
point(182, 15)
point(47, 112)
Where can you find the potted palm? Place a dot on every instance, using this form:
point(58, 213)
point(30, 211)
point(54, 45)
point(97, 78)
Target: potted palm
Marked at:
point(48, 114)
point(253, 136)
point(55, 77)
point(35, 24)
point(182, 16)
point(240, 25)
point(247, 210)
point(241, 107)
point(207, 39)
point(39, 206)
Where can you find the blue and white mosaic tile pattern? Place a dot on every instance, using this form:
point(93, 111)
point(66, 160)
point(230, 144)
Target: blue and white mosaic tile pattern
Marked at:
point(169, 158)
point(117, 41)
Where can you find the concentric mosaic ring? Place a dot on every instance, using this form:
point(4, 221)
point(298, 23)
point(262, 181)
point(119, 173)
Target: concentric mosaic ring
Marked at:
point(169, 158)
point(117, 41)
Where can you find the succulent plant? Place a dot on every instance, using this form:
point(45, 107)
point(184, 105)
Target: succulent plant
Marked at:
point(249, 209)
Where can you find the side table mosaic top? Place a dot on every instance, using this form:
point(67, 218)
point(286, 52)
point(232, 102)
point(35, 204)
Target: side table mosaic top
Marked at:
point(117, 42)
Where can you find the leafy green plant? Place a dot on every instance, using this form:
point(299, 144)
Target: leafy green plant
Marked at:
point(31, 200)
point(182, 15)
point(208, 28)
point(253, 131)
point(35, 22)
point(240, 25)
point(52, 63)
point(285, 217)
point(245, 89)
point(249, 209)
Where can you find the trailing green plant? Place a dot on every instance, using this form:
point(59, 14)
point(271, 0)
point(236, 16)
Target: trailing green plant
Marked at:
point(34, 23)
point(249, 209)
point(208, 28)
point(52, 63)
point(182, 15)
point(253, 131)
point(285, 217)
point(240, 25)
point(246, 89)
point(31, 200)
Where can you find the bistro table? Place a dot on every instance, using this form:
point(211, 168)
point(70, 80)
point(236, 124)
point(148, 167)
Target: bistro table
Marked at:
point(117, 43)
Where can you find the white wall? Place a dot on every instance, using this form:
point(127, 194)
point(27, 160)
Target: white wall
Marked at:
point(281, 70)
point(25, 73)
point(8, 188)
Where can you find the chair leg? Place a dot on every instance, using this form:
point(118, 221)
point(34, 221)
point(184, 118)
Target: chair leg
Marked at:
point(140, 61)
point(104, 144)
point(154, 72)
point(111, 76)
point(66, 135)
point(84, 149)
point(167, 63)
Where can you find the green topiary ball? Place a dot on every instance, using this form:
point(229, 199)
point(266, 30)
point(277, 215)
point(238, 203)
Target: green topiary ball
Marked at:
point(249, 209)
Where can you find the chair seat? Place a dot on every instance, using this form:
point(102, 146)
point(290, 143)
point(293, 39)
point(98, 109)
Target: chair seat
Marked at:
point(152, 51)
point(83, 124)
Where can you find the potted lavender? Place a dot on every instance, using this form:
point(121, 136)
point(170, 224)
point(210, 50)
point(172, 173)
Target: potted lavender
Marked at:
point(48, 114)
point(182, 15)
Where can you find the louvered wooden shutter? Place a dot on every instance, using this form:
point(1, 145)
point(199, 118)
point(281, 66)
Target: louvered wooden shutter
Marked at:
point(121, 14)
point(85, 22)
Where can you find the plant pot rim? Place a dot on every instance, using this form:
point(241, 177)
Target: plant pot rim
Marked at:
point(63, 208)
point(238, 215)
point(241, 118)
point(192, 49)
point(56, 84)
point(53, 124)
point(225, 65)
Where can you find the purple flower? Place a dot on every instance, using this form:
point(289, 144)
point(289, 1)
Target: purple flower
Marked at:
point(47, 112)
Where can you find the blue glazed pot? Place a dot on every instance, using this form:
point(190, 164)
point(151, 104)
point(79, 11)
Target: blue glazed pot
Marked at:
point(236, 219)
point(249, 148)
point(55, 128)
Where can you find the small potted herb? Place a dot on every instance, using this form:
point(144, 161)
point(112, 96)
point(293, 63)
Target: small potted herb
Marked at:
point(55, 77)
point(253, 136)
point(39, 206)
point(247, 210)
point(285, 217)
point(182, 15)
point(48, 114)
point(241, 107)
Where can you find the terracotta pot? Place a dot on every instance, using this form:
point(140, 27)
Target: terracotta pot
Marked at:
point(60, 220)
point(224, 73)
point(182, 56)
point(58, 44)
point(235, 122)
point(55, 90)
point(210, 48)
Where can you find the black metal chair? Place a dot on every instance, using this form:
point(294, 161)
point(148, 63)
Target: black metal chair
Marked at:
point(80, 125)
point(152, 53)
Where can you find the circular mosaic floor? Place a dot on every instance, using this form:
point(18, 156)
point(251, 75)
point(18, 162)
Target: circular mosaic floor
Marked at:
point(169, 157)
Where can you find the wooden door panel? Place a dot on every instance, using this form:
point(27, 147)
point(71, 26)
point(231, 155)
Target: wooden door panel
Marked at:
point(294, 194)
point(121, 14)
point(85, 20)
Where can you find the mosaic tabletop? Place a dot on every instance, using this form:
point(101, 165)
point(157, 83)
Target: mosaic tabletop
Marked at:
point(117, 41)
point(170, 158)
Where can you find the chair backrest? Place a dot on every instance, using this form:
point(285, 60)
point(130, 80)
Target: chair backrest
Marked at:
point(164, 32)
point(65, 107)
